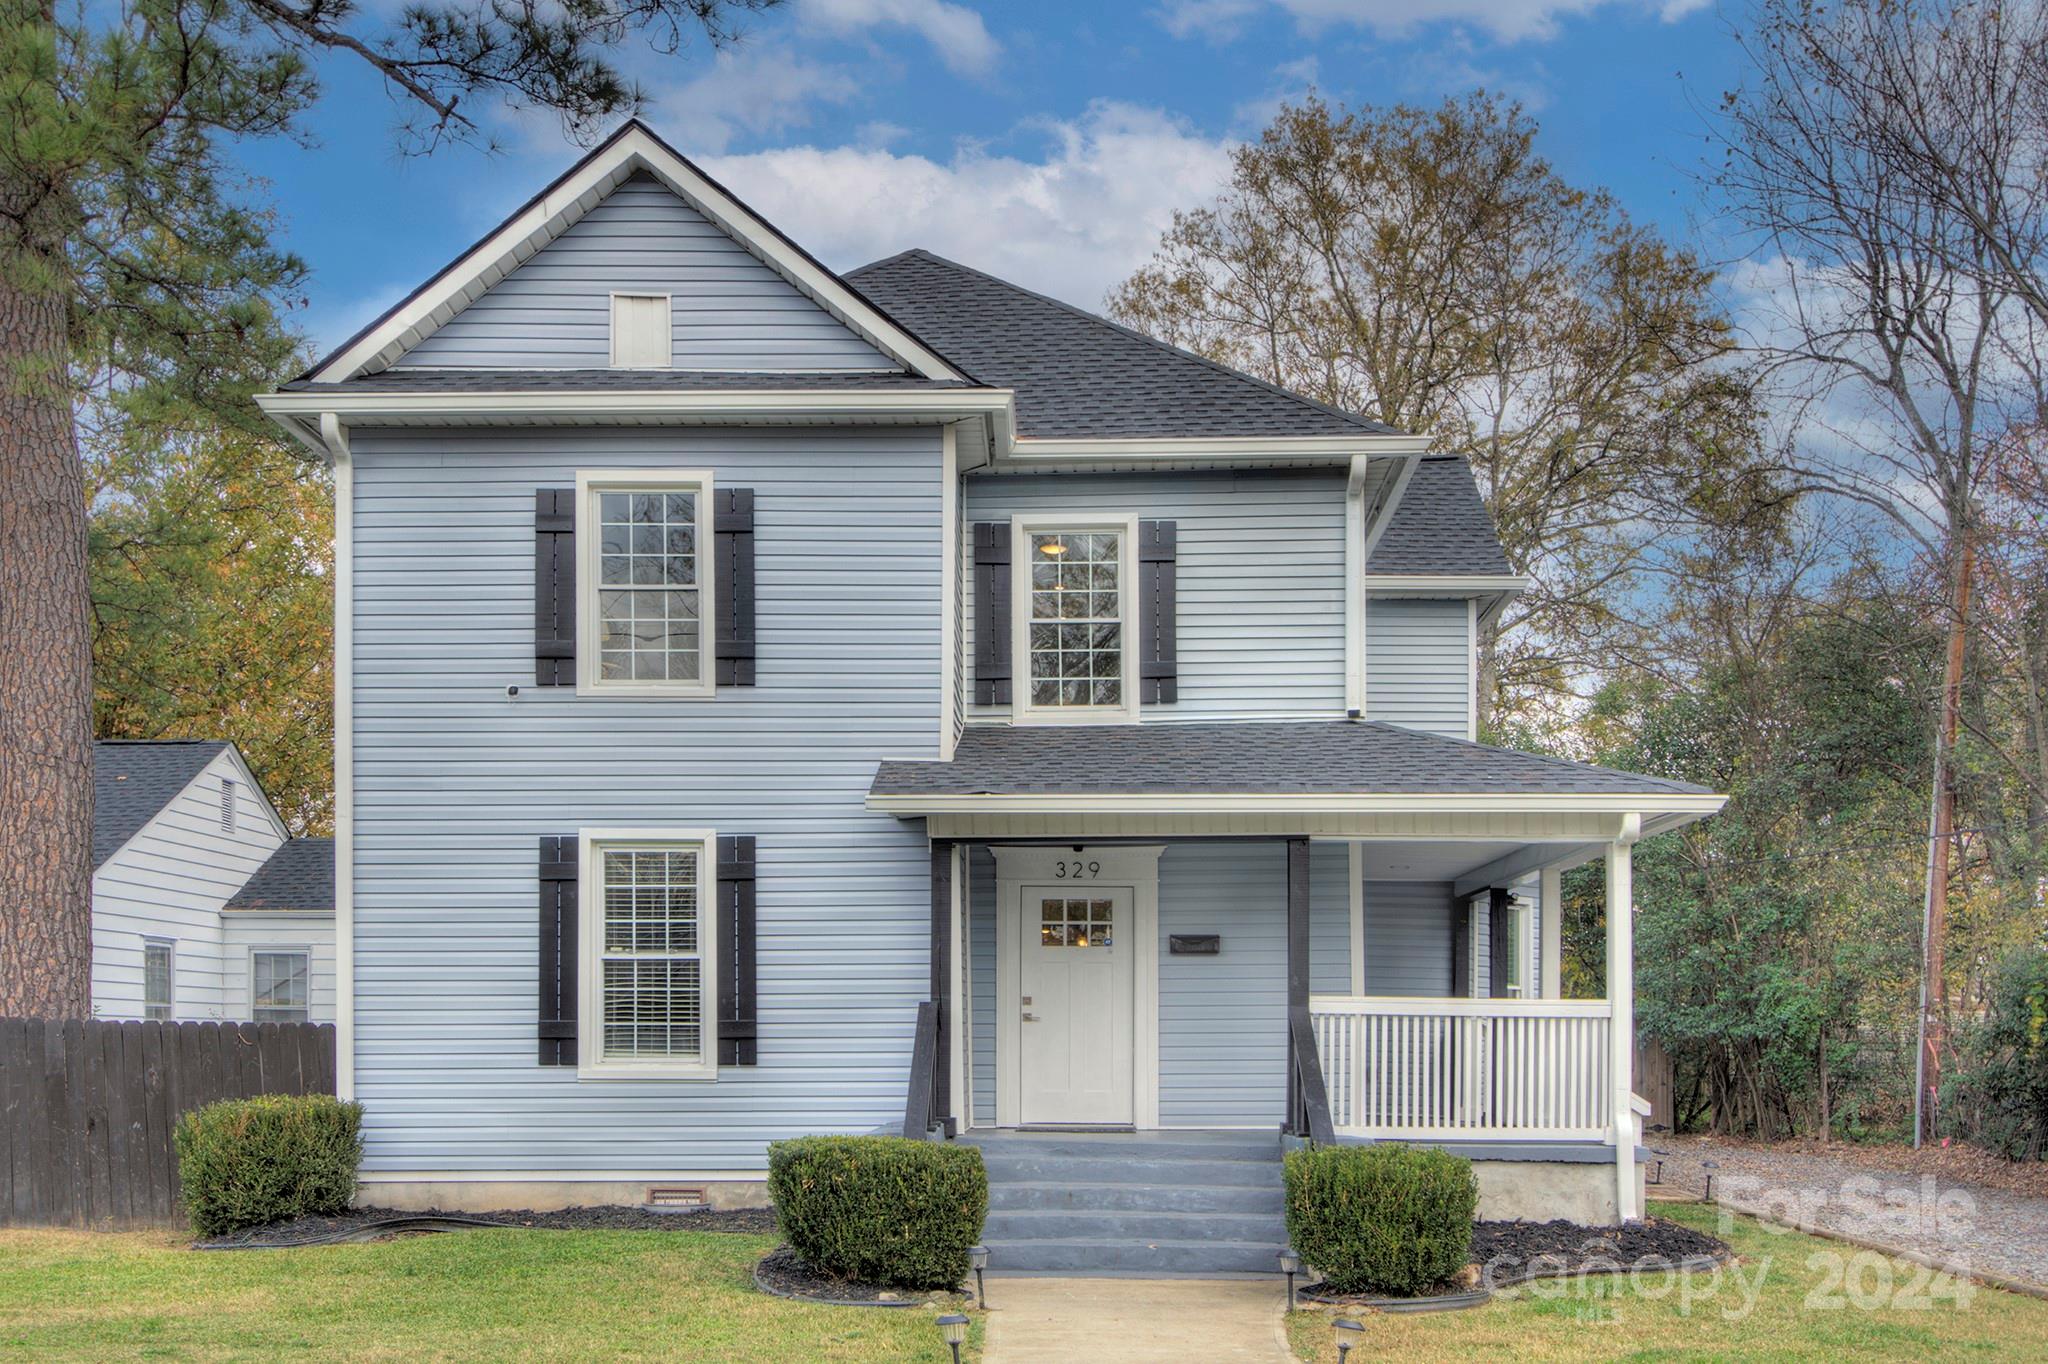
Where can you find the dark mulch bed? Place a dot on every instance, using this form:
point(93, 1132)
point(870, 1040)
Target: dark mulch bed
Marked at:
point(357, 1221)
point(782, 1272)
point(1508, 1252)
point(1505, 1253)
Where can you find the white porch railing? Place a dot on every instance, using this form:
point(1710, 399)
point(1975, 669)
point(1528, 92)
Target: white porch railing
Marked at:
point(1464, 1069)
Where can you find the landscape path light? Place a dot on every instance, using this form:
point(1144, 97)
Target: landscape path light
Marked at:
point(977, 1260)
point(1350, 1332)
point(953, 1328)
point(1290, 1265)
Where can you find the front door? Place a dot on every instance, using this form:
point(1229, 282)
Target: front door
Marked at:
point(1075, 993)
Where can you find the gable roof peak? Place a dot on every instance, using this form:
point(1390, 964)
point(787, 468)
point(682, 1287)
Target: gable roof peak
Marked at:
point(631, 149)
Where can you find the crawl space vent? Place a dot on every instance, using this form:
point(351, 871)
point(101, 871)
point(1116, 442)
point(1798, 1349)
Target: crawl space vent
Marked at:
point(673, 1198)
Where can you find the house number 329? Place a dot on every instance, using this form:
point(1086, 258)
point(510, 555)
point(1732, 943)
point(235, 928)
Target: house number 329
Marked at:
point(1077, 871)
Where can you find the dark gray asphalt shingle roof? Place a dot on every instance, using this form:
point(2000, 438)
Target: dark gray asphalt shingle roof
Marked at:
point(132, 779)
point(299, 875)
point(1267, 758)
point(426, 380)
point(1077, 375)
point(1440, 525)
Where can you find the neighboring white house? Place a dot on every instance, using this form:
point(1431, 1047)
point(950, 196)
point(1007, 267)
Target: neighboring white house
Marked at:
point(772, 702)
point(203, 905)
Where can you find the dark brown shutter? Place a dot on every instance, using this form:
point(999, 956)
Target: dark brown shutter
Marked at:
point(1500, 942)
point(554, 587)
point(992, 613)
point(736, 1016)
point(558, 950)
point(733, 537)
point(1461, 947)
point(1158, 649)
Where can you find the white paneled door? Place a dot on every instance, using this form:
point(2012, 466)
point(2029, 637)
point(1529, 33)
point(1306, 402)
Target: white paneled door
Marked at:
point(1076, 957)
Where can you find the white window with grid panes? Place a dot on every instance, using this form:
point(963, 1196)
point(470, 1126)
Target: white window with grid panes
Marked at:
point(159, 977)
point(1073, 617)
point(644, 584)
point(279, 985)
point(646, 918)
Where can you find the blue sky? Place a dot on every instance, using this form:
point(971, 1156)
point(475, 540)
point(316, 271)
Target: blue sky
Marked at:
point(1048, 142)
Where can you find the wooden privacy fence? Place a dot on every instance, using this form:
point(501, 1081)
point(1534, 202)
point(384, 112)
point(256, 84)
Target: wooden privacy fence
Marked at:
point(1655, 1082)
point(87, 1107)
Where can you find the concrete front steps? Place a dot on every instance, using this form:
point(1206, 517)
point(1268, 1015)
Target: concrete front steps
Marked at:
point(1133, 1204)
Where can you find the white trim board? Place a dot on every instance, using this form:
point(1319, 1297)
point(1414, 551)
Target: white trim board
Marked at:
point(1135, 868)
point(334, 437)
point(1333, 803)
point(1443, 584)
point(631, 150)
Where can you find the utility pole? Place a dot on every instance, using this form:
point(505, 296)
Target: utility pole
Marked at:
point(1940, 835)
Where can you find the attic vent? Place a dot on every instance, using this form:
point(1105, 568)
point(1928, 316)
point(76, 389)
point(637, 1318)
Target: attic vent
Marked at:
point(227, 805)
point(640, 331)
point(671, 1197)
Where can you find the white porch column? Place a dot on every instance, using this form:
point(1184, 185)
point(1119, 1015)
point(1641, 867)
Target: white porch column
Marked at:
point(1621, 997)
point(1550, 905)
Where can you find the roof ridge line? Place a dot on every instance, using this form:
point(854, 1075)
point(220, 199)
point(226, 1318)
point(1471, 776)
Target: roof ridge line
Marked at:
point(1230, 371)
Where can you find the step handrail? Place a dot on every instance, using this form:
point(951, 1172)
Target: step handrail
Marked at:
point(1312, 1096)
point(920, 1104)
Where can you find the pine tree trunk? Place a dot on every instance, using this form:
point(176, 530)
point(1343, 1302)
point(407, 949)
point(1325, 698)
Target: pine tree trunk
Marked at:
point(46, 780)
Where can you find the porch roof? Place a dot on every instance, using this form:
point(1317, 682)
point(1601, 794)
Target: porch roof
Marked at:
point(1345, 758)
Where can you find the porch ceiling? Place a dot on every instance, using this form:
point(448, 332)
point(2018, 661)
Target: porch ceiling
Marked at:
point(1396, 860)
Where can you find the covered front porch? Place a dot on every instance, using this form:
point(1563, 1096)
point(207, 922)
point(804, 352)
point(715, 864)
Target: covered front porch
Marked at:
point(1339, 963)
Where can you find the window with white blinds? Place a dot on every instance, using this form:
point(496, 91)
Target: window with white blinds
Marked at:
point(648, 906)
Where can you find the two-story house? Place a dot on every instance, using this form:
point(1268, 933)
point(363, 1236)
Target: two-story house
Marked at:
point(772, 701)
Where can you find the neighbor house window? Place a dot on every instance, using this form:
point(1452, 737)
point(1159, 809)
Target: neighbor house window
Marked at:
point(645, 583)
point(1074, 620)
point(278, 986)
point(159, 971)
point(640, 331)
point(648, 997)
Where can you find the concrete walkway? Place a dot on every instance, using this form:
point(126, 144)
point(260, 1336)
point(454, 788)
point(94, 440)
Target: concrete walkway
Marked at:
point(1114, 1321)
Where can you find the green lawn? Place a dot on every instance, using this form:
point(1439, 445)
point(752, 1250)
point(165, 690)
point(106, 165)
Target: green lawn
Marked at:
point(501, 1295)
point(1790, 1317)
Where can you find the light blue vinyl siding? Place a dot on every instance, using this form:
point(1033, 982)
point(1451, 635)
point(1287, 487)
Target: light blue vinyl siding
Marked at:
point(730, 310)
point(1408, 938)
point(1418, 664)
point(1260, 578)
point(456, 781)
point(1223, 1019)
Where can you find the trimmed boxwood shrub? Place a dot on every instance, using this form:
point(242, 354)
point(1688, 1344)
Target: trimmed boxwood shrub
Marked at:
point(250, 1162)
point(1381, 1219)
point(880, 1209)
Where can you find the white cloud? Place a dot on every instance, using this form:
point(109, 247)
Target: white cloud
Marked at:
point(955, 32)
point(1072, 222)
point(749, 90)
point(1506, 20)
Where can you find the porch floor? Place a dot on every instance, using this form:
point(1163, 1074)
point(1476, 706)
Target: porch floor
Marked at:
point(1132, 1204)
